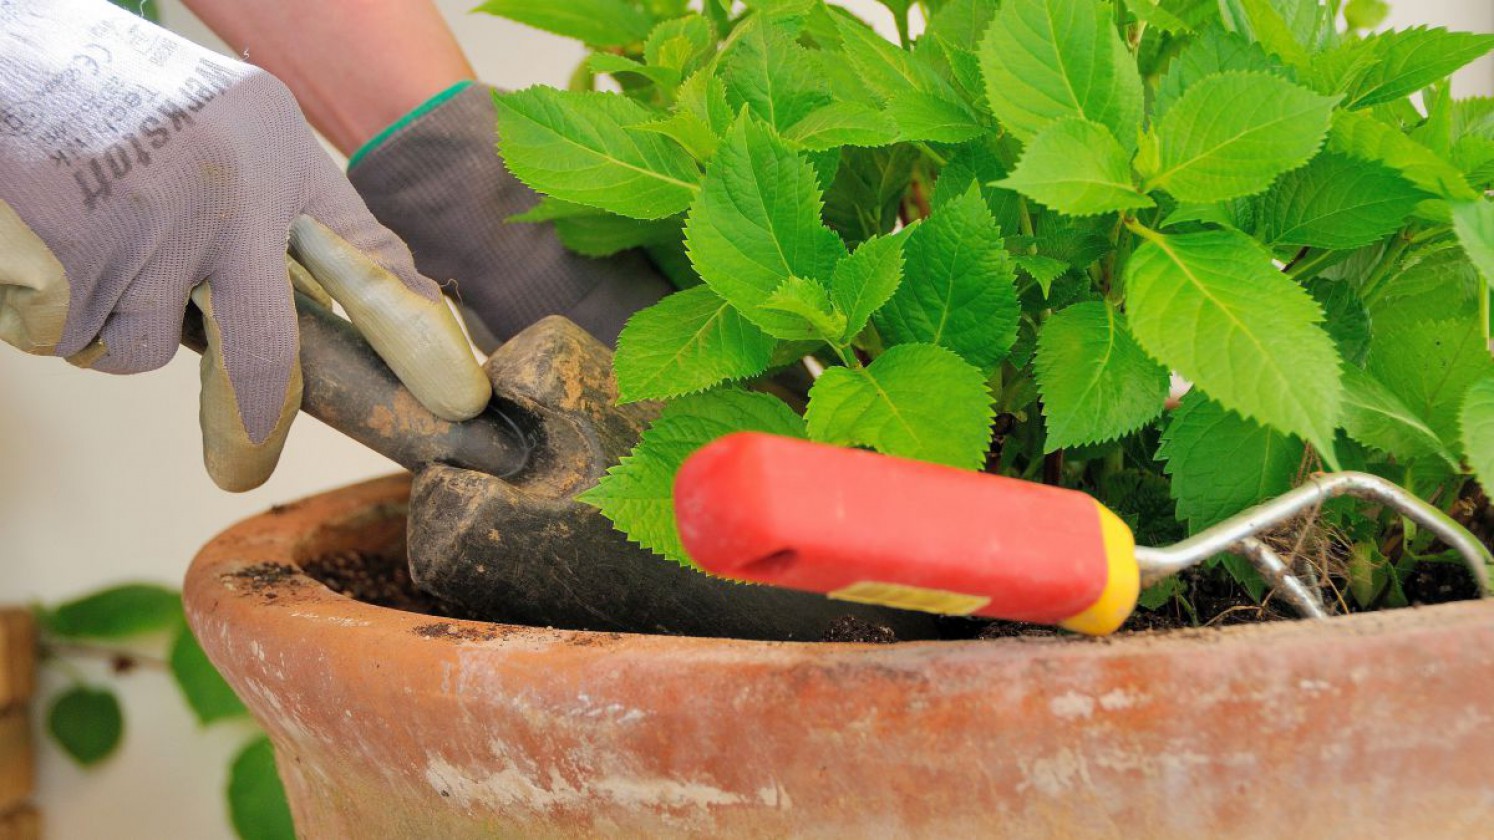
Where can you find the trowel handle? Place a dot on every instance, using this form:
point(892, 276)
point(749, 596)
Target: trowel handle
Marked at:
point(865, 527)
point(348, 387)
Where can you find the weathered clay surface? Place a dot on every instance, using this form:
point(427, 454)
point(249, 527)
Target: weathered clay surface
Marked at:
point(392, 725)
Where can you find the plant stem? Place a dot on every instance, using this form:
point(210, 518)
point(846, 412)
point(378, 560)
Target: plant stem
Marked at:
point(847, 355)
point(1374, 286)
point(903, 36)
point(932, 155)
point(1307, 266)
point(61, 649)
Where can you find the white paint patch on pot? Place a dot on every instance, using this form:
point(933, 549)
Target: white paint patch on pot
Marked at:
point(511, 787)
point(339, 620)
point(774, 796)
point(1118, 699)
point(1055, 774)
point(1072, 705)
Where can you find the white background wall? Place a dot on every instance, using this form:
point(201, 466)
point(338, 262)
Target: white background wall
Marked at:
point(101, 482)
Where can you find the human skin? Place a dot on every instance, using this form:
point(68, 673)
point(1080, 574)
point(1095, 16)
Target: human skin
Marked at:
point(356, 66)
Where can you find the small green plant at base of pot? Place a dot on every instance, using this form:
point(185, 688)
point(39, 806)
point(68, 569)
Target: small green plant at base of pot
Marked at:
point(1032, 214)
point(142, 625)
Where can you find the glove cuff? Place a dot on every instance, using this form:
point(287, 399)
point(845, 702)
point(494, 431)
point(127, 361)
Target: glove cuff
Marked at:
point(408, 119)
point(435, 179)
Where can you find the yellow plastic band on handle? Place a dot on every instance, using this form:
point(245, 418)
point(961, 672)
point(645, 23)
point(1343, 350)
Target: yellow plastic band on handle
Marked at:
point(1122, 585)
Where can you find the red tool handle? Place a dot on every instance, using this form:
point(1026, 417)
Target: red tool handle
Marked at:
point(865, 527)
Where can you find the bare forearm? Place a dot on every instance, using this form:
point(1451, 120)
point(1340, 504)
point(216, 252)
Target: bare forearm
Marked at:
point(355, 65)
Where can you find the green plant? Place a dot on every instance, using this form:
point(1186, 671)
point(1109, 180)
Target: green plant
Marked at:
point(1033, 213)
point(142, 625)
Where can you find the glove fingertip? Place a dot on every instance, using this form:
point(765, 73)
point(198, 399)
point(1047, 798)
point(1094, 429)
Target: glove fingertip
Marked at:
point(234, 460)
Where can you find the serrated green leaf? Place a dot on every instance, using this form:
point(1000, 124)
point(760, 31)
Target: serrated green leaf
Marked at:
point(923, 105)
point(887, 407)
point(1233, 133)
point(1369, 571)
point(116, 613)
point(1272, 30)
point(598, 234)
point(954, 32)
point(1077, 168)
point(757, 223)
point(1474, 156)
point(703, 94)
point(866, 280)
point(769, 73)
point(685, 128)
point(1143, 495)
point(979, 164)
point(1045, 60)
point(687, 342)
point(614, 65)
point(209, 697)
point(1359, 135)
point(1390, 65)
point(1174, 15)
point(549, 208)
point(638, 493)
point(936, 119)
point(1430, 366)
point(1365, 14)
point(1213, 307)
point(579, 147)
point(1336, 203)
point(808, 301)
point(256, 799)
point(1042, 269)
point(1439, 283)
point(1096, 381)
point(885, 68)
point(1214, 51)
point(86, 723)
point(680, 44)
point(1474, 223)
point(868, 188)
point(600, 23)
point(958, 288)
point(1347, 319)
point(1377, 418)
point(1474, 117)
point(1221, 463)
point(1477, 421)
point(843, 124)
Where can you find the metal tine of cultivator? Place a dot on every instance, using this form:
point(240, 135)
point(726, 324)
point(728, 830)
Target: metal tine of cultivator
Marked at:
point(1238, 535)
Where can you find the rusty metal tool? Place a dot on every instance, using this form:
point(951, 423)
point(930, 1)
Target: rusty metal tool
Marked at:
point(494, 526)
point(873, 529)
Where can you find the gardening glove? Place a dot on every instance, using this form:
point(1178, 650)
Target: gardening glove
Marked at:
point(138, 171)
point(435, 178)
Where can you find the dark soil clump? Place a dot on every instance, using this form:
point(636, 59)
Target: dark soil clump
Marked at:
point(849, 628)
point(264, 577)
point(379, 579)
point(1438, 583)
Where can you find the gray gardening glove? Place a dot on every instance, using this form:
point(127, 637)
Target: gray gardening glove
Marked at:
point(436, 179)
point(138, 171)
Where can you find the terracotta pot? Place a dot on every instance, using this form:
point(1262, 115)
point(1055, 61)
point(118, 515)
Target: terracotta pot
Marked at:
point(394, 725)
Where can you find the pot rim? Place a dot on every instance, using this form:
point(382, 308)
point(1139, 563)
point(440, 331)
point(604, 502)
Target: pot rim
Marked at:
point(217, 580)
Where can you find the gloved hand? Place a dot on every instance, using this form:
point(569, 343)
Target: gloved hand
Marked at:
point(436, 179)
point(138, 171)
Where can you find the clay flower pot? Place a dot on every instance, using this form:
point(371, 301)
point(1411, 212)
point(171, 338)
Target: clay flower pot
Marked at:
point(396, 725)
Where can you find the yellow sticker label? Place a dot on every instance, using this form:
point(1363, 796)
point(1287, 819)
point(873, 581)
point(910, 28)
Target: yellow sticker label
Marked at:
point(903, 597)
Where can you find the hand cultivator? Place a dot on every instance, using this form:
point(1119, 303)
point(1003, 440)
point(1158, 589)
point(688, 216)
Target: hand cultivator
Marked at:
point(873, 529)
